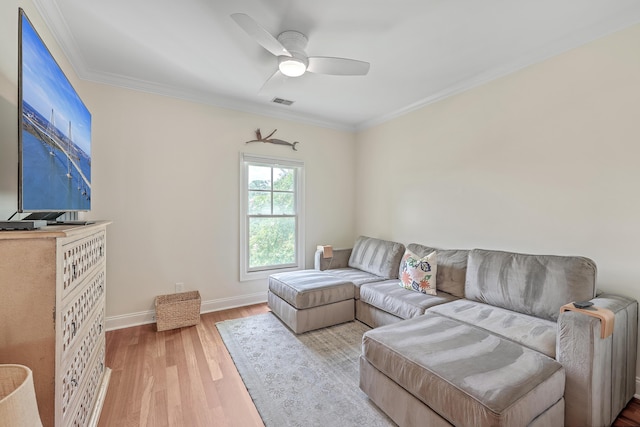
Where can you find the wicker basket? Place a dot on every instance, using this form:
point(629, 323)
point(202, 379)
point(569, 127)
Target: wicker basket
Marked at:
point(177, 310)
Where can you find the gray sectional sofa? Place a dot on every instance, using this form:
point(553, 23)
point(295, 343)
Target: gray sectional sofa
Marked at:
point(491, 348)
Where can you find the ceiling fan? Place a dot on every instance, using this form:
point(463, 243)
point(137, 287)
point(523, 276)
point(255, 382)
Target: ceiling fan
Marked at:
point(292, 59)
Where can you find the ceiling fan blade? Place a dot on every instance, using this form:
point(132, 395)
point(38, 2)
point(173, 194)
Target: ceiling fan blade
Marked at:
point(259, 34)
point(273, 82)
point(337, 66)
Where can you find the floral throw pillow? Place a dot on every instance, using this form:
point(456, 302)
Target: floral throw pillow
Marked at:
point(419, 274)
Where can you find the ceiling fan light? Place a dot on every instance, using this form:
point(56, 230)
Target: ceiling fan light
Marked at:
point(291, 67)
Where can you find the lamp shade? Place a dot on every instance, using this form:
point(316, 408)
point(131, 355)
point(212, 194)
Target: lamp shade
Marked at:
point(18, 406)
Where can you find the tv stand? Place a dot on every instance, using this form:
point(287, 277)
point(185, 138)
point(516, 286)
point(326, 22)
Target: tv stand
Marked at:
point(46, 216)
point(52, 296)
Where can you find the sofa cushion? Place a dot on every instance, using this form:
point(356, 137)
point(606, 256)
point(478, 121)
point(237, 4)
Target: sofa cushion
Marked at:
point(375, 256)
point(465, 374)
point(452, 267)
point(310, 288)
point(355, 276)
point(390, 297)
point(533, 332)
point(419, 273)
point(532, 284)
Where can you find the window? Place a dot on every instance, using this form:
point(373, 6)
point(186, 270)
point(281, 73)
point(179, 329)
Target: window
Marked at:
point(271, 238)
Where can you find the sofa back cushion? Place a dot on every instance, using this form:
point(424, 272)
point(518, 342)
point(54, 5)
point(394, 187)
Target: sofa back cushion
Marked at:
point(452, 267)
point(537, 285)
point(375, 256)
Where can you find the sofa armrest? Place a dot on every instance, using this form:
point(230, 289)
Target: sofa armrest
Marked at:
point(600, 372)
point(340, 259)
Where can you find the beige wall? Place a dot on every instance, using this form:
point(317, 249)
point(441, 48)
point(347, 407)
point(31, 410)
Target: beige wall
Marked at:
point(545, 160)
point(166, 171)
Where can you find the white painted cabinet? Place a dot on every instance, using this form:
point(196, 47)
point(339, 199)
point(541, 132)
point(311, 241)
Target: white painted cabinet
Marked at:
point(52, 308)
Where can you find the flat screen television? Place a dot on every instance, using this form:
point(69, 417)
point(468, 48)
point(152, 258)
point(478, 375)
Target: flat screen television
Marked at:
point(54, 135)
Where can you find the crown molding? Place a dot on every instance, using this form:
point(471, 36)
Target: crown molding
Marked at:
point(63, 36)
point(573, 41)
point(269, 110)
point(53, 18)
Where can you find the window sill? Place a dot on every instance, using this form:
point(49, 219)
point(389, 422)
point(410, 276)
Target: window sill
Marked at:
point(246, 276)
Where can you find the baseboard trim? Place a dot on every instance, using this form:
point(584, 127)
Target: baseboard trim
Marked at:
point(146, 317)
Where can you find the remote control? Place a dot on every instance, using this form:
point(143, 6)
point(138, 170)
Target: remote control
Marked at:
point(582, 304)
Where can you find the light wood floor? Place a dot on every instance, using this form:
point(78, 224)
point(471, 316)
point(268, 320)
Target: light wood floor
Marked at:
point(182, 377)
point(186, 377)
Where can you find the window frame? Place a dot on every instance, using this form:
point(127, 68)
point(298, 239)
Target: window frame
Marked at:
point(247, 160)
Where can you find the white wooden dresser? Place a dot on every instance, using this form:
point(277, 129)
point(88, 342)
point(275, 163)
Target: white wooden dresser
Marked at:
point(52, 309)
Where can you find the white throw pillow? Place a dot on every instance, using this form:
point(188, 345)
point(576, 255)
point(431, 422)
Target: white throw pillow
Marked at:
point(419, 274)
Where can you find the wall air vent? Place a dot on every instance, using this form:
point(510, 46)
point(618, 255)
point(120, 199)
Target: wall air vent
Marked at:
point(282, 101)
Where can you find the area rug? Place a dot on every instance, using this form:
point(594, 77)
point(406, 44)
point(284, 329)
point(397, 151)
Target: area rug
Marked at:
point(301, 380)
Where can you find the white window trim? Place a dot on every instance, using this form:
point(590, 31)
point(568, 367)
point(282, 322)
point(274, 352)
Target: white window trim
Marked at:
point(246, 159)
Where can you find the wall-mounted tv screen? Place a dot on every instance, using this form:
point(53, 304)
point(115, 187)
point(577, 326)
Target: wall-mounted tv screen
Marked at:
point(54, 164)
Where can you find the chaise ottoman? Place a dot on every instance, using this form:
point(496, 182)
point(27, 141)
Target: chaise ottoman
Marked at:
point(438, 371)
point(310, 299)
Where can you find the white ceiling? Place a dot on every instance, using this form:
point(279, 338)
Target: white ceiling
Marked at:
point(420, 50)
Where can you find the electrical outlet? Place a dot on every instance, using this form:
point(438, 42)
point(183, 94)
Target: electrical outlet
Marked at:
point(179, 287)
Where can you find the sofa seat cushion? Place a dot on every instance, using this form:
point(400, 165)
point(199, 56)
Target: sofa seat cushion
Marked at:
point(465, 374)
point(533, 332)
point(310, 288)
point(355, 276)
point(404, 303)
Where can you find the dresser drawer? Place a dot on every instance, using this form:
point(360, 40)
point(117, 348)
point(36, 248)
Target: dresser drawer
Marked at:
point(81, 414)
point(80, 308)
point(77, 366)
point(79, 257)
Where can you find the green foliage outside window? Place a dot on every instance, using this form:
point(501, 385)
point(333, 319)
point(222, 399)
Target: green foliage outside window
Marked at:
point(272, 221)
point(272, 241)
